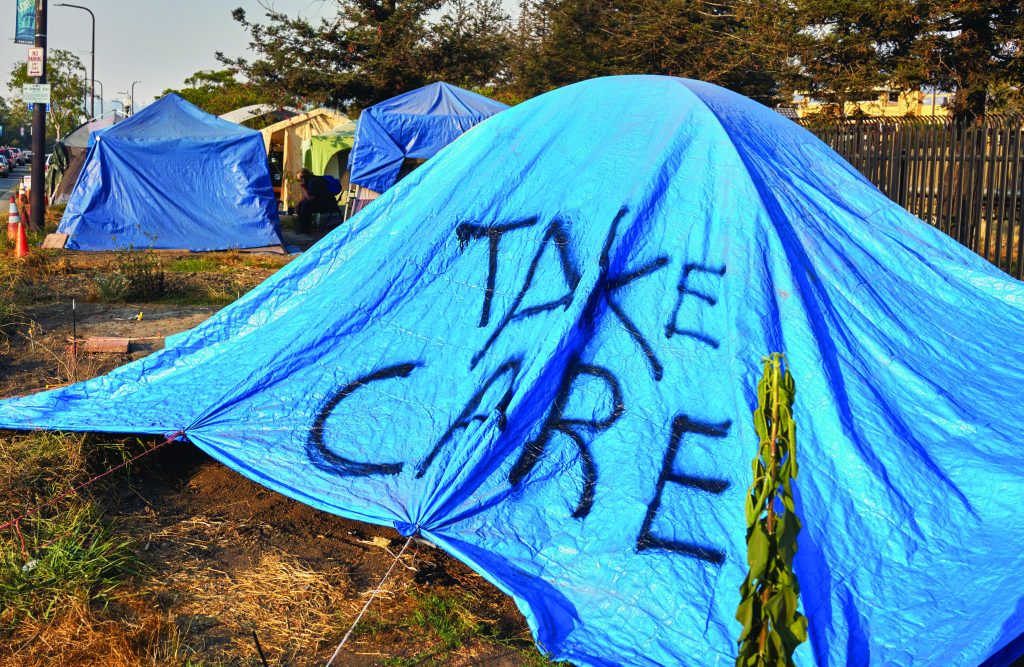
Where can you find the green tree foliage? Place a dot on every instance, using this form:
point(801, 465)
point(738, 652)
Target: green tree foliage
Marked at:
point(974, 48)
point(13, 117)
point(848, 49)
point(470, 46)
point(735, 43)
point(368, 51)
point(64, 73)
point(772, 626)
point(218, 92)
point(836, 50)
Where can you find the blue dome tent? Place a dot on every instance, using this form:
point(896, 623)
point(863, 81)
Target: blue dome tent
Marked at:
point(414, 125)
point(172, 177)
point(540, 352)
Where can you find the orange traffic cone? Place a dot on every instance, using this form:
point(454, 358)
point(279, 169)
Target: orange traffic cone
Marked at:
point(13, 220)
point(21, 248)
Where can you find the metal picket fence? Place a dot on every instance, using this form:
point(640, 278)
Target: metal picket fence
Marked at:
point(967, 179)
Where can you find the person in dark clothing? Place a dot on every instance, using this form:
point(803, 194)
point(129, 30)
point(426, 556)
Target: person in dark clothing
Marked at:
point(316, 198)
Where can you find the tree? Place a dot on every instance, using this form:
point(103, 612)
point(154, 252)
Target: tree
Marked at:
point(64, 73)
point(470, 45)
point(973, 48)
point(846, 50)
point(370, 50)
point(740, 44)
point(218, 92)
point(14, 118)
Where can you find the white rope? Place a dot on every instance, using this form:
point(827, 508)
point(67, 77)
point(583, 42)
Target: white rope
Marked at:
point(367, 605)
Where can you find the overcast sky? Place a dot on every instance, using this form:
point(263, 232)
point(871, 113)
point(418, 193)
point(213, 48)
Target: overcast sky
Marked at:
point(157, 42)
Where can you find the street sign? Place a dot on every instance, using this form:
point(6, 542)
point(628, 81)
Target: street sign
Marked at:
point(35, 61)
point(36, 93)
point(32, 107)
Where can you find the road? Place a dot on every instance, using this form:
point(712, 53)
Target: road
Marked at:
point(9, 185)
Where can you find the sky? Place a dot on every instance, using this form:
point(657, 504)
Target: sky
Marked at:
point(156, 42)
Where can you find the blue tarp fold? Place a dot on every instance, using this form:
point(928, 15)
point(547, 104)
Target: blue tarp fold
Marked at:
point(541, 352)
point(172, 177)
point(416, 124)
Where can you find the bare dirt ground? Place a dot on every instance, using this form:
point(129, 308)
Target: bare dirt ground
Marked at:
point(221, 563)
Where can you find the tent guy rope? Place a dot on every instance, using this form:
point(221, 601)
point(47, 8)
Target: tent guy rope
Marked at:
point(369, 601)
point(16, 521)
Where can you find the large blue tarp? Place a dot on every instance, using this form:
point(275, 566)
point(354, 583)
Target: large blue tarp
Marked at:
point(416, 124)
point(540, 351)
point(173, 177)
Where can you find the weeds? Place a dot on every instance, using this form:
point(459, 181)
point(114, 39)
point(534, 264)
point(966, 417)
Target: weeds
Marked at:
point(443, 623)
point(447, 617)
point(71, 556)
point(131, 276)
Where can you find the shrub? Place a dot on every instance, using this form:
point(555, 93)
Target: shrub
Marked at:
point(131, 276)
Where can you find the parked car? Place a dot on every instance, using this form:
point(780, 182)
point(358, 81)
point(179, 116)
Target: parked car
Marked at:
point(5, 167)
point(9, 155)
point(28, 156)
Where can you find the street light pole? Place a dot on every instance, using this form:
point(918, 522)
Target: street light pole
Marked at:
point(85, 91)
point(133, 96)
point(92, 96)
point(100, 84)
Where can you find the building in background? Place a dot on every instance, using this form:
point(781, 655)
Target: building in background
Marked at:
point(887, 103)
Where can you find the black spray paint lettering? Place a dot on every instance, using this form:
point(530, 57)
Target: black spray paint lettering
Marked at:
point(646, 540)
point(555, 234)
point(507, 374)
point(557, 422)
point(493, 233)
point(609, 285)
point(683, 290)
point(321, 455)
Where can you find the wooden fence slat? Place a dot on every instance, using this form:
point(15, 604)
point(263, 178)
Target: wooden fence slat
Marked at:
point(967, 179)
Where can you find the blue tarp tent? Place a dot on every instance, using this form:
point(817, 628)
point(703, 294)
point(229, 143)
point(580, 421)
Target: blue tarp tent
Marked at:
point(173, 177)
point(416, 124)
point(540, 352)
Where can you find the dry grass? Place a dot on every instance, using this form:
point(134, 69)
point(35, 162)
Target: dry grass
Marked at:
point(136, 635)
point(294, 610)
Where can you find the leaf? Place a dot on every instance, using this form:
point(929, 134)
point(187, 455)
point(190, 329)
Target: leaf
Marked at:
point(757, 552)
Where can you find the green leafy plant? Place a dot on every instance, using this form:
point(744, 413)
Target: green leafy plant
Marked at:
point(132, 275)
point(772, 625)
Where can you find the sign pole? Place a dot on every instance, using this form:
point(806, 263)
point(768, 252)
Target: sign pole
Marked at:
point(37, 200)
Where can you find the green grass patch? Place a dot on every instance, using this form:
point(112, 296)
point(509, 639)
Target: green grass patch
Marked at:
point(443, 622)
point(73, 555)
point(447, 617)
point(202, 264)
point(206, 296)
point(65, 553)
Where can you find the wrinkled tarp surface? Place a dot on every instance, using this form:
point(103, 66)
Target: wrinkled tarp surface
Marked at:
point(541, 352)
point(416, 124)
point(172, 177)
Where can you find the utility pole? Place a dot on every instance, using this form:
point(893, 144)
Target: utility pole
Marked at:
point(37, 201)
